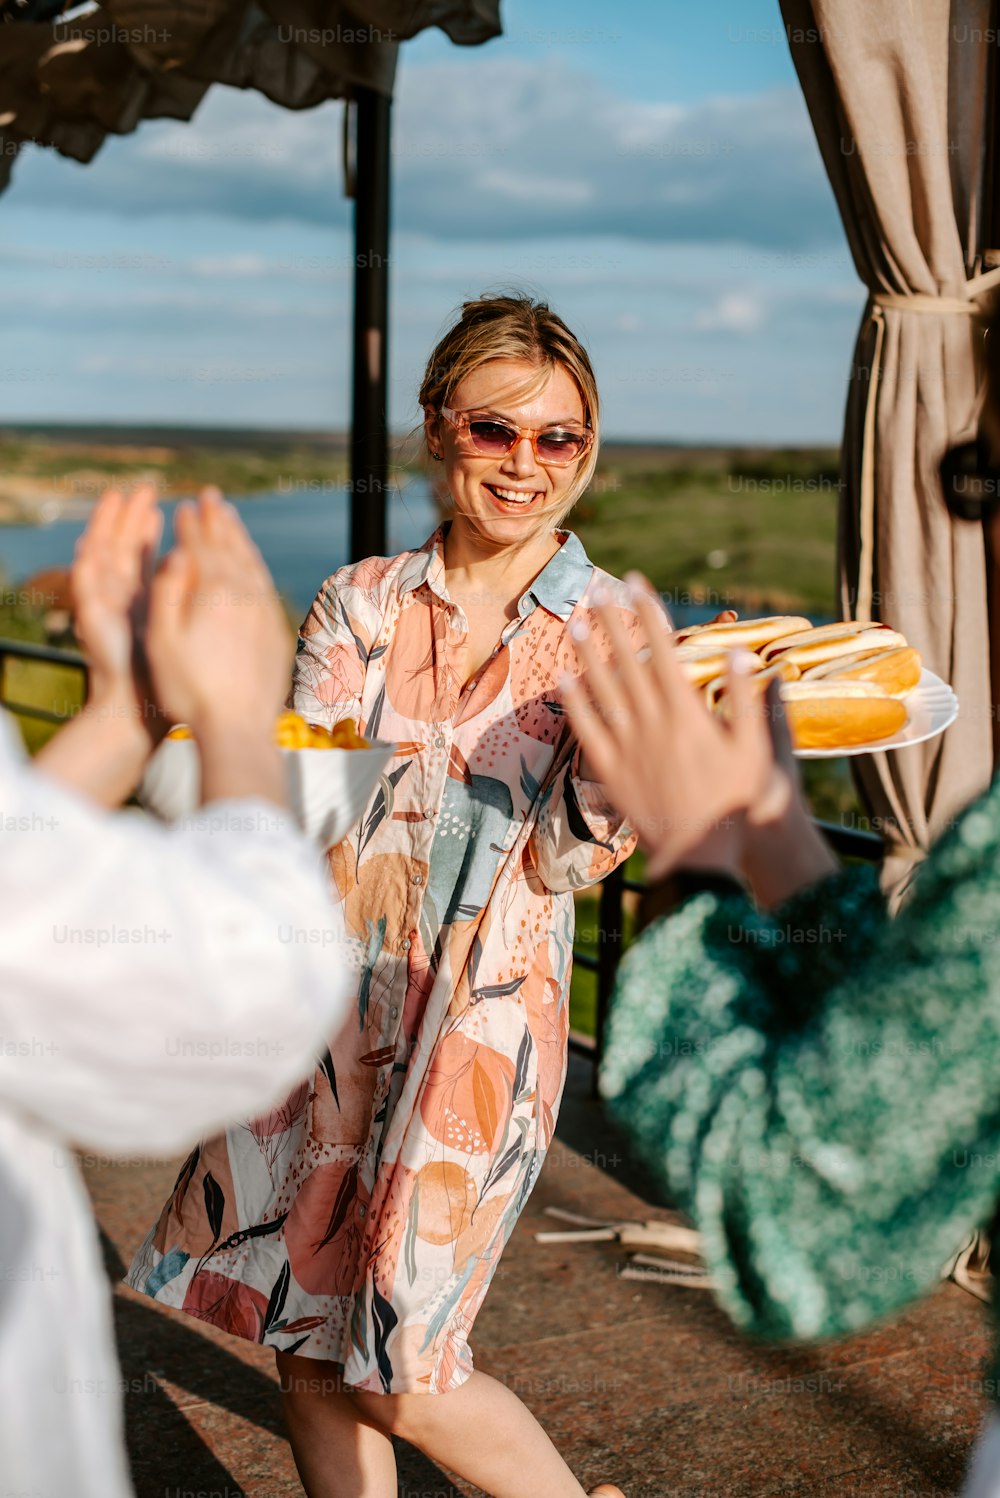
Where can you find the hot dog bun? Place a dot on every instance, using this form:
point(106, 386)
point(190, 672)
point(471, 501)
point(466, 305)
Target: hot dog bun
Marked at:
point(752, 634)
point(829, 641)
point(703, 664)
point(896, 671)
point(822, 715)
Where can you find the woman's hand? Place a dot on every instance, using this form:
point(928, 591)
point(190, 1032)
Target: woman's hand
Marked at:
point(219, 644)
point(221, 650)
point(683, 778)
point(101, 752)
point(586, 770)
point(109, 581)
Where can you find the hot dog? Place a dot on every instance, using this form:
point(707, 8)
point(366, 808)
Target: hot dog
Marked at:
point(896, 671)
point(822, 715)
point(815, 646)
point(841, 683)
point(751, 634)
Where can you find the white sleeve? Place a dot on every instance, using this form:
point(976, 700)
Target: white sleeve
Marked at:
point(156, 983)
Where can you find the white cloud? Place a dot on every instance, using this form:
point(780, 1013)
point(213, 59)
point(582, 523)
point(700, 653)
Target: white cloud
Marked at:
point(230, 267)
point(485, 148)
point(547, 191)
point(735, 312)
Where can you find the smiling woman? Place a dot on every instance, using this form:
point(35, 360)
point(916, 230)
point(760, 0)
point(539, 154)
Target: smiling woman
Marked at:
point(364, 1236)
point(508, 349)
point(511, 408)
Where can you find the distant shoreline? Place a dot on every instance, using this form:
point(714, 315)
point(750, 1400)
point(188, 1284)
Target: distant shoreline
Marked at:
point(53, 471)
point(28, 501)
point(146, 433)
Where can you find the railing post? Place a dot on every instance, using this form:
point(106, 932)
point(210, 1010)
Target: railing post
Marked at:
point(369, 416)
point(610, 935)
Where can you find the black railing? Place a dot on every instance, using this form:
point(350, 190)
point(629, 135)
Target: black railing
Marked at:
point(846, 841)
point(47, 655)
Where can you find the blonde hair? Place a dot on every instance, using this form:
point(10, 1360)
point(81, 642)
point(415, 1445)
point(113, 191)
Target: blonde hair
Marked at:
point(515, 327)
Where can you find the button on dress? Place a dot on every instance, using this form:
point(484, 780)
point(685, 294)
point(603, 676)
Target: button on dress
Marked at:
point(362, 1221)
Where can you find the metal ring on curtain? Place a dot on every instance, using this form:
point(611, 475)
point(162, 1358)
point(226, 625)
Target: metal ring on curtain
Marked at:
point(879, 303)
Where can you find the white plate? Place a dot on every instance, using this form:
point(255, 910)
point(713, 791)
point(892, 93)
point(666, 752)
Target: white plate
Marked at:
point(328, 789)
point(931, 708)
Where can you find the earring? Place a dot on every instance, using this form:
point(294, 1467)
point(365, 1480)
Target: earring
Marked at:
point(438, 457)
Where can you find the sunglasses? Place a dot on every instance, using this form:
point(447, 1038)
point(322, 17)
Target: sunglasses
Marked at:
point(491, 437)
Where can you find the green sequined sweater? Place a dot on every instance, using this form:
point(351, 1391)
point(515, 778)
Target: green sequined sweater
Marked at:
point(819, 1087)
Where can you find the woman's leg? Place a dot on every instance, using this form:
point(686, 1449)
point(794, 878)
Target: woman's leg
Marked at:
point(482, 1432)
point(338, 1451)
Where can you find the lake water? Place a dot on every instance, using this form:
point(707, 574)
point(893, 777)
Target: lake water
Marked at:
point(302, 536)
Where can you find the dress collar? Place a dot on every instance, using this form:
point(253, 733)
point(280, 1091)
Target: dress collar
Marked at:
point(557, 587)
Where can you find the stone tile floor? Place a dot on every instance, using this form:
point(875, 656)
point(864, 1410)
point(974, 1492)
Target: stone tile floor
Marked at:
point(641, 1384)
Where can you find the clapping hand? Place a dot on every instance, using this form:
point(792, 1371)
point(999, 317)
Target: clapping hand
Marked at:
point(684, 778)
point(221, 649)
point(109, 583)
point(219, 644)
point(101, 752)
point(208, 629)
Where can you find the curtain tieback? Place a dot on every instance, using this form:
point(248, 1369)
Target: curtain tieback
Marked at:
point(879, 303)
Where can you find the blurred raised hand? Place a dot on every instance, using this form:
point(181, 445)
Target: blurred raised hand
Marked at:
point(700, 789)
point(679, 776)
point(101, 752)
point(218, 641)
point(221, 649)
point(109, 582)
point(202, 640)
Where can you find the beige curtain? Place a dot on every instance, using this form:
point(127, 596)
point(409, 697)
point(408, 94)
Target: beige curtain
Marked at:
point(897, 94)
point(69, 85)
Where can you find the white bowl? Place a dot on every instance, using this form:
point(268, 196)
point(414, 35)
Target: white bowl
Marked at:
point(328, 789)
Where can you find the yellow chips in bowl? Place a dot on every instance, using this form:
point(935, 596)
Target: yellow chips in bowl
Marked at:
point(291, 731)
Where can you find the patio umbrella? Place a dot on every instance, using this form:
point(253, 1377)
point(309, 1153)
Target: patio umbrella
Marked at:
point(900, 99)
point(70, 82)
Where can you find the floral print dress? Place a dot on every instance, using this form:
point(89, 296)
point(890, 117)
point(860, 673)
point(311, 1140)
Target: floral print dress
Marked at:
point(362, 1221)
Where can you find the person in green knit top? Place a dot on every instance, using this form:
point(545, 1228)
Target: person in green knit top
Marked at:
point(767, 1034)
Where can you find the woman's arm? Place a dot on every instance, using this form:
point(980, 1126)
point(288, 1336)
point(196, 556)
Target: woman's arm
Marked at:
point(183, 976)
point(156, 983)
point(718, 795)
point(101, 753)
point(818, 1086)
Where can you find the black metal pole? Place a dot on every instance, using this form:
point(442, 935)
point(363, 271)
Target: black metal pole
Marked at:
point(369, 416)
point(610, 922)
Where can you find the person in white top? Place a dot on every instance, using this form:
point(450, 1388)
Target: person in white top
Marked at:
point(146, 994)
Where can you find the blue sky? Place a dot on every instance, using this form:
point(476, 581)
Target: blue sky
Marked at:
point(652, 173)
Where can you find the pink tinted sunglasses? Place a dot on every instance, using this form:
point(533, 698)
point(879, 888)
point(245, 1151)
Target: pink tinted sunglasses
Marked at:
point(493, 437)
